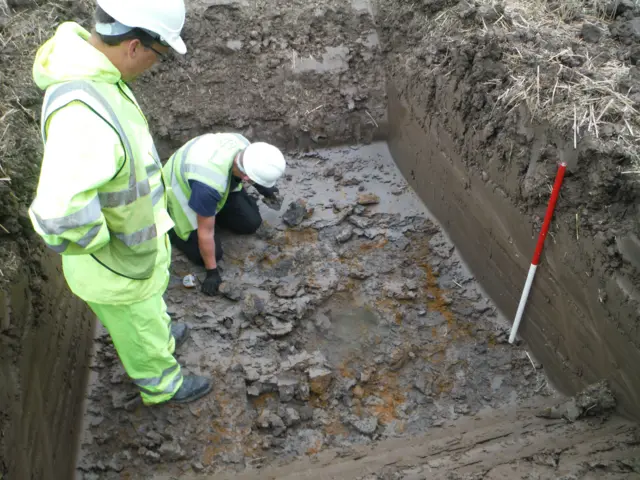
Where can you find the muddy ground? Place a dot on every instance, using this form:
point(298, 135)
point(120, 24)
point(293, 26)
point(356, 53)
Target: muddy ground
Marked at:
point(358, 324)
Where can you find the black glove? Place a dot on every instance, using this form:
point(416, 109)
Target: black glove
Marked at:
point(212, 282)
point(266, 191)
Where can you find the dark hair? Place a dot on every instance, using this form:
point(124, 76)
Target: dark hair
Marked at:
point(113, 40)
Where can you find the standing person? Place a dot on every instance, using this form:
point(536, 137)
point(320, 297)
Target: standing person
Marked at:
point(206, 177)
point(101, 200)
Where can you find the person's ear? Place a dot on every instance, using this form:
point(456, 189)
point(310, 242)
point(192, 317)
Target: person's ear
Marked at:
point(133, 49)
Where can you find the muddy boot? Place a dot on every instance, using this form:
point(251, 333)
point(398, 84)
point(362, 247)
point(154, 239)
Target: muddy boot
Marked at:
point(193, 387)
point(180, 333)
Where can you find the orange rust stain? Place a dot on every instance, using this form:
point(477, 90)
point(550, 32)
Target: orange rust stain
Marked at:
point(398, 318)
point(371, 246)
point(261, 402)
point(297, 237)
point(315, 448)
point(336, 428)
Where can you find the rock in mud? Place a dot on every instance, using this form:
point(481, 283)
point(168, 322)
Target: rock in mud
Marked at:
point(596, 399)
point(323, 323)
point(289, 289)
point(366, 426)
point(590, 33)
point(172, 451)
point(296, 213)
point(290, 416)
point(252, 306)
point(368, 199)
point(344, 235)
point(270, 421)
point(319, 380)
point(231, 290)
point(277, 328)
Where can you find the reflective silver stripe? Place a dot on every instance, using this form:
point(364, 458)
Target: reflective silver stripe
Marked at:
point(151, 169)
point(84, 92)
point(136, 238)
point(124, 197)
point(171, 388)
point(217, 177)
point(157, 194)
point(59, 248)
point(155, 381)
point(89, 236)
point(88, 214)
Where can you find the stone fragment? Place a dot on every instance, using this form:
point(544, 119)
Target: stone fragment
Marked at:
point(252, 306)
point(351, 180)
point(289, 289)
point(358, 391)
point(287, 386)
point(270, 421)
point(172, 451)
point(323, 322)
point(368, 199)
point(277, 328)
point(595, 399)
point(366, 426)
point(359, 222)
point(590, 33)
point(296, 213)
point(231, 290)
point(319, 380)
point(344, 235)
point(290, 416)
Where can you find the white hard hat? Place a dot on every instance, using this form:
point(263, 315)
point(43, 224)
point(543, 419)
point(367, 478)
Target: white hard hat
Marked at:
point(165, 18)
point(263, 163)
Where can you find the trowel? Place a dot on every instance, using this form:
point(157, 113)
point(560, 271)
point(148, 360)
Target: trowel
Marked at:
point(274, 202)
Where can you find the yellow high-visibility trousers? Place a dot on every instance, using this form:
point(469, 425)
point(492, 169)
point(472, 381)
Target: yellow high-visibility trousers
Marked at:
point(142, 337)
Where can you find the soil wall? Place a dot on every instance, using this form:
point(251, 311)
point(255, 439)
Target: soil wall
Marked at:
point(45, 344)
point(45, 332)
point(486, 174)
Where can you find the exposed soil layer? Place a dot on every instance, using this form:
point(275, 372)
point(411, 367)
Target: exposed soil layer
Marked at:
point(45, 332)
point(296, 73)
point(481, 147)
point(357, 324)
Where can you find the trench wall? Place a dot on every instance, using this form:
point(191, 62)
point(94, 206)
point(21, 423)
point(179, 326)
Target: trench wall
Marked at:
point(581, 320)
point(45, 340)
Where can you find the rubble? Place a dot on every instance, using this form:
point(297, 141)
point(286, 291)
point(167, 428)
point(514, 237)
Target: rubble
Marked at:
point(366, 426)
point(271, 421)
point(344, 235)
point(231, 290)
point(368, 199)
point(319, 380)
point(595, 399)
point(296, 213)
point(253, 305)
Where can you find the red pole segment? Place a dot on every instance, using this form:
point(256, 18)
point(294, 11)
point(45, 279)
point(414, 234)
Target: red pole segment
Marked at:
point(536, 256)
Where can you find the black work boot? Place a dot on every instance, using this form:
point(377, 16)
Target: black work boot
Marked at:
point(180, 333)
point(193, 387)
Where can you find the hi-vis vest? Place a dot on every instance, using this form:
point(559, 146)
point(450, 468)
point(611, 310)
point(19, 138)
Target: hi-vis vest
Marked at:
point(212, 169)
point(126, 201)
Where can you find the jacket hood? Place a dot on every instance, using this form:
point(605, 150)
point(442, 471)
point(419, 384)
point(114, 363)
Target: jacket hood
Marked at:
point(69, 56)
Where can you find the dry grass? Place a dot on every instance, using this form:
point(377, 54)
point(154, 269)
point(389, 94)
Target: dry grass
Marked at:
point(560, 78)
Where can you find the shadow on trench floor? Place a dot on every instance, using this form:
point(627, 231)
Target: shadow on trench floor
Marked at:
point(359, 324)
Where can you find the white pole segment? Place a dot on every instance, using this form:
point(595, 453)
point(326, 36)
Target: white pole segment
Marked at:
point(523, 302)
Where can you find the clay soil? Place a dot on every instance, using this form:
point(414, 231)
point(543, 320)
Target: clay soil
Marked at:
point(360, 323)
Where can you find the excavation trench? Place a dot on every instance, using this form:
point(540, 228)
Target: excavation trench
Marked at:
point(370, 337)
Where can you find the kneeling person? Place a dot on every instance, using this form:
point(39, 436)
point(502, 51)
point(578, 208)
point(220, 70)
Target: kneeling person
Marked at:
point(206, 192)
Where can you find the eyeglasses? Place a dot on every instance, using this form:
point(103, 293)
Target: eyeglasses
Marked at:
point(158, 39)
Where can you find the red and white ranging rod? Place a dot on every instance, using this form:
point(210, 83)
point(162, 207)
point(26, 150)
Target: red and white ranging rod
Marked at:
point(536, 256)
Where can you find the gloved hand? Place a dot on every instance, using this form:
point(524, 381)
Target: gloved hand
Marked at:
point(212, 282)
point(267, 191)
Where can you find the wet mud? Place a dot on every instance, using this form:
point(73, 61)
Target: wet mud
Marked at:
point(359, 324)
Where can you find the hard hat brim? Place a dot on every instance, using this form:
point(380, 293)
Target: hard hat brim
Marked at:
point(177, 44)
